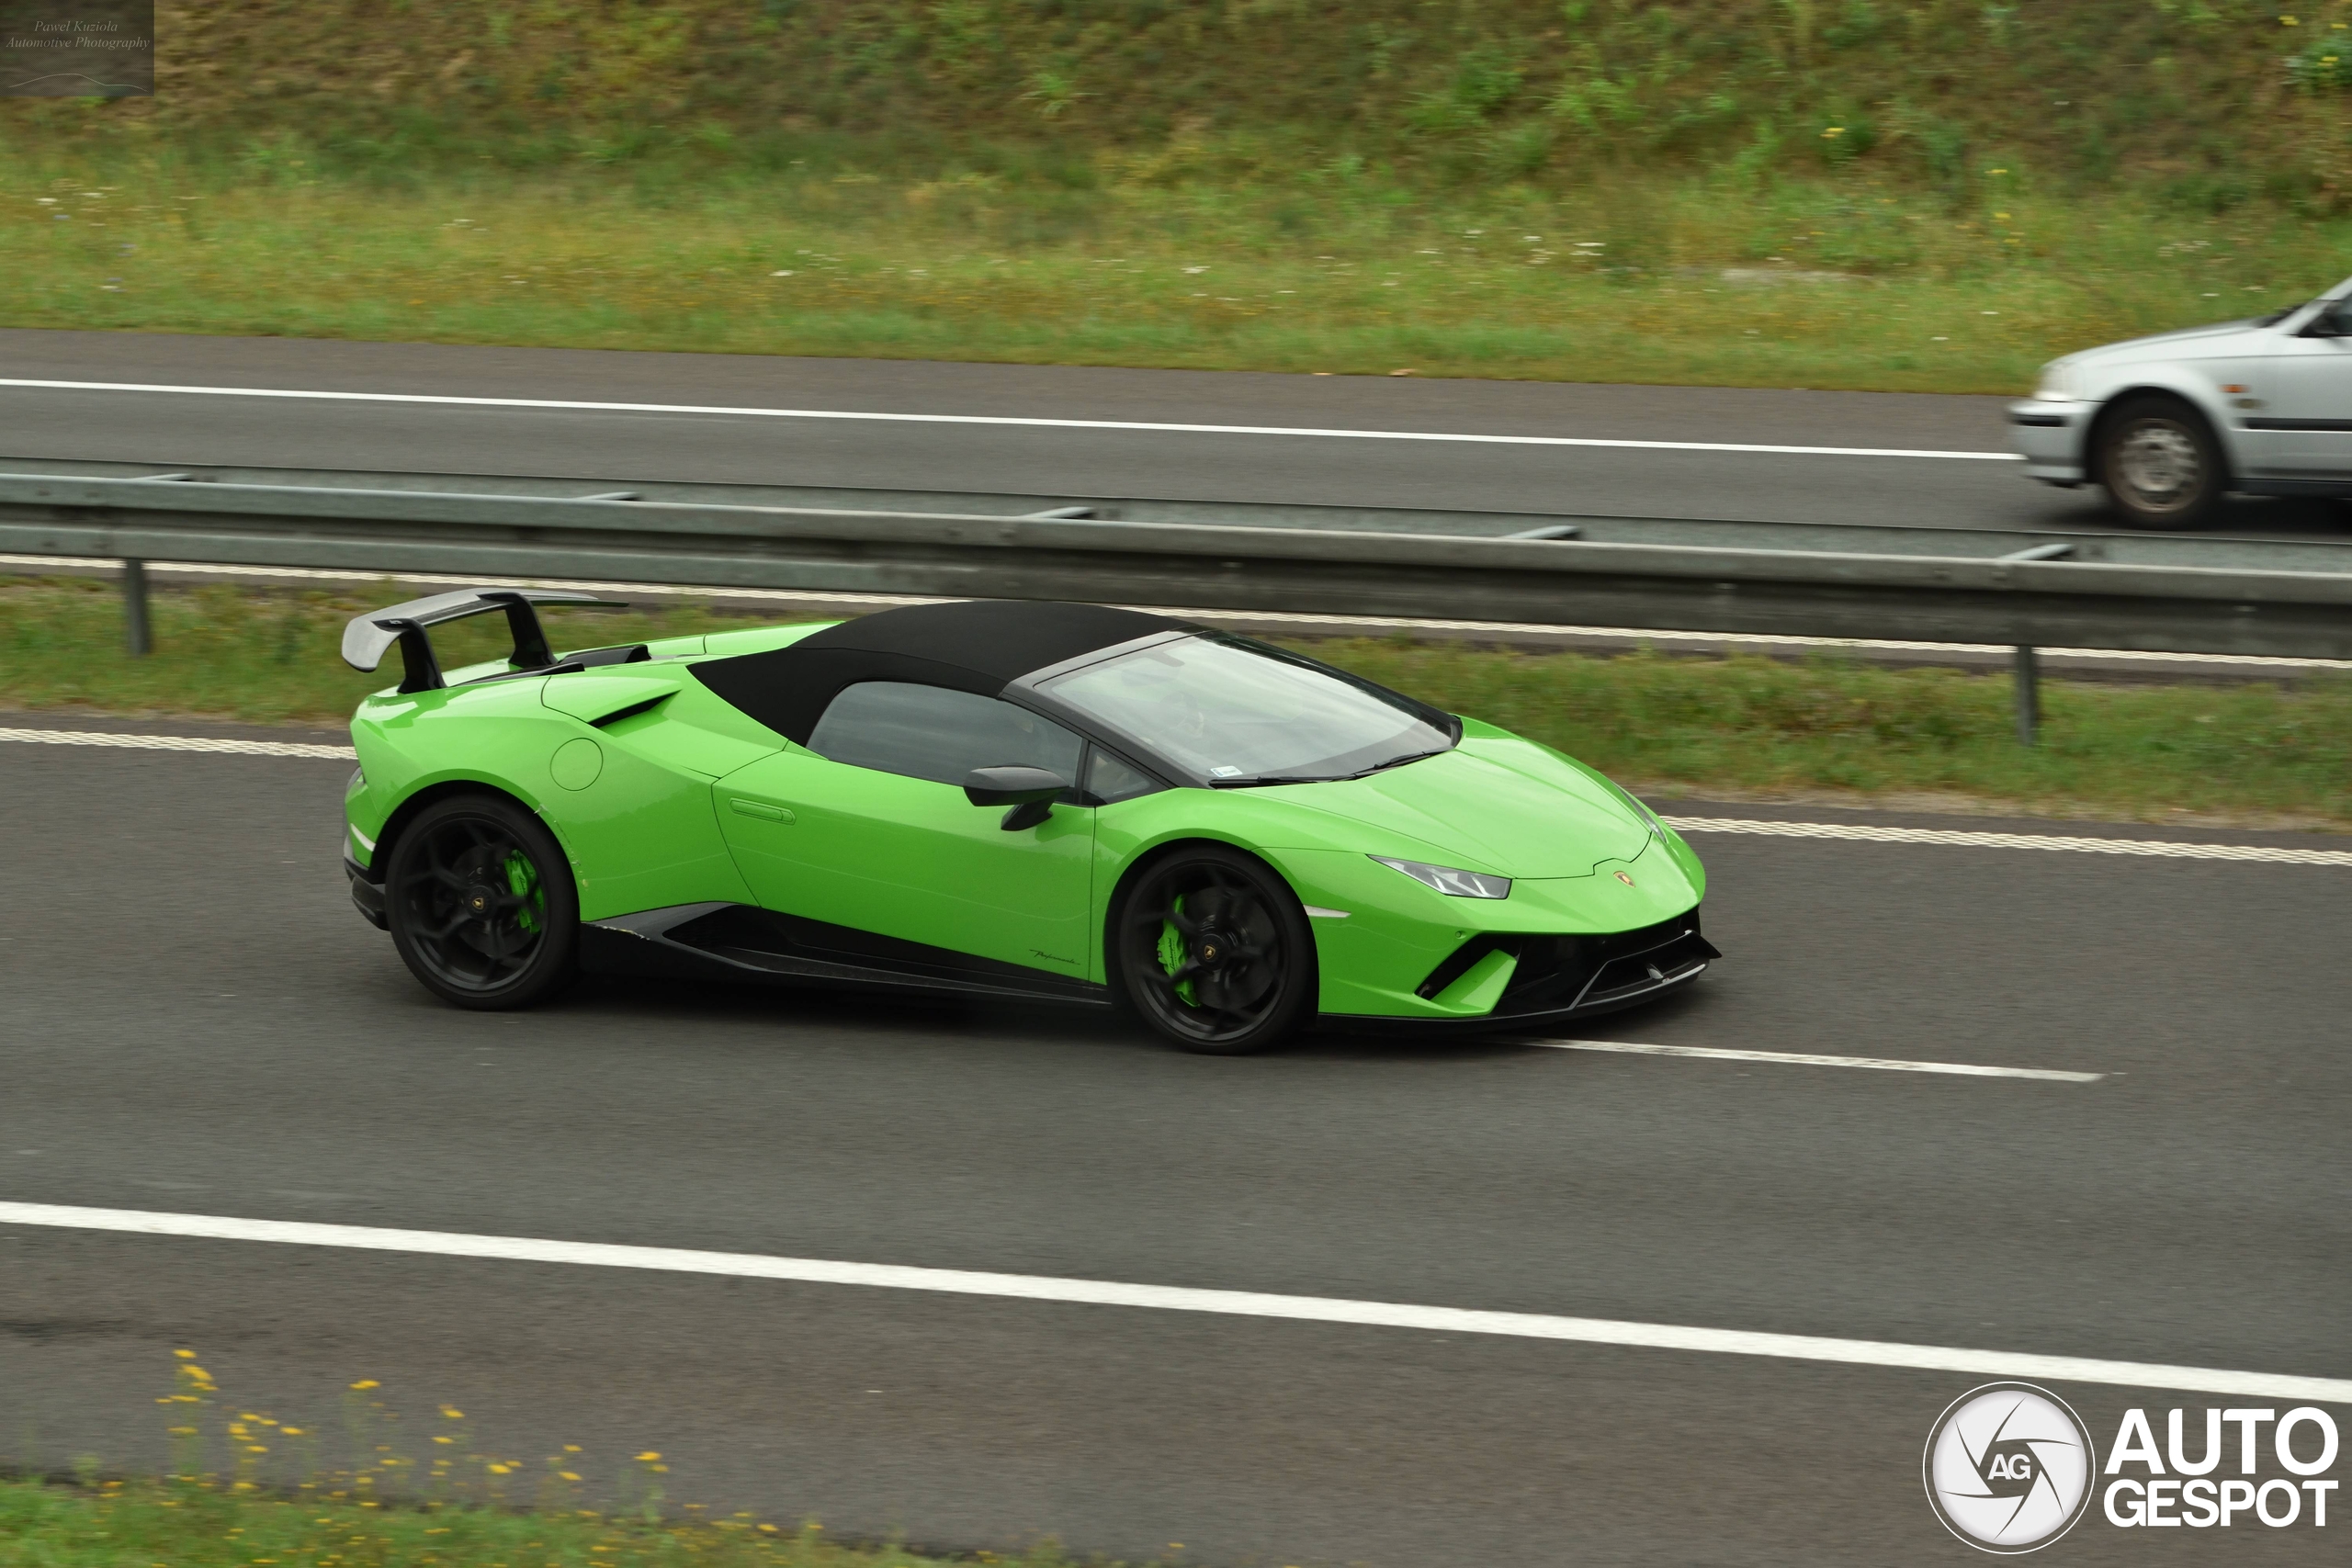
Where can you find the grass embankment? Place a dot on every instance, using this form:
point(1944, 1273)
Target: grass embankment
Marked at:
point(1931, 196)
point(247, 1490)
point(1680, 724)
point(2201, 101)
point(1697, 280)
point(149, 1525)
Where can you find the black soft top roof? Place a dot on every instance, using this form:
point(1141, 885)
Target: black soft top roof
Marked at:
point(975, 645)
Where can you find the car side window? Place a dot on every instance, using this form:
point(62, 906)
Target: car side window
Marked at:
point(1109, 779)
point(931, 732)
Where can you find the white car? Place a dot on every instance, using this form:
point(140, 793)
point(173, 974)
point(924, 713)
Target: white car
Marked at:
point(2171, 423)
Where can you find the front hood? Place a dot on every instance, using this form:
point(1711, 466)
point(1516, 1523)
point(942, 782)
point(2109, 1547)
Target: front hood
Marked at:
point(2161, 342)
point(1494, 805)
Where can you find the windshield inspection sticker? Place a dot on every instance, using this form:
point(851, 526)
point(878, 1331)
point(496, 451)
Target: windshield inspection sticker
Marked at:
point(2009, 1468)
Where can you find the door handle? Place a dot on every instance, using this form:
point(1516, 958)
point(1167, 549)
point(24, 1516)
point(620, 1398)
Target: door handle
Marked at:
point(763, 810)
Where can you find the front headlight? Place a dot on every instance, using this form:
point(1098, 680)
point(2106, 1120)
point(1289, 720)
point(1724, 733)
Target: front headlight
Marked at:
point(1452, 883)
point(1650, 819)
point(1657, 826)
point(2057, 383)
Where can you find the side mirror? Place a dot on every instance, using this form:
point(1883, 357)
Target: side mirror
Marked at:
point(1029, 791)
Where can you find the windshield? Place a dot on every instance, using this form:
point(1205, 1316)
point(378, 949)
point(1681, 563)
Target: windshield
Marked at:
point(1236, 714)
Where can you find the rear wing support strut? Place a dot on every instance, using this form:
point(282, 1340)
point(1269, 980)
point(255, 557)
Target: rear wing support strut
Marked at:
point(367, 638)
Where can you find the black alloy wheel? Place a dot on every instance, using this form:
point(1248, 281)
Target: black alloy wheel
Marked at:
point(2161, 464)
point(1211, 947)
point(481, 903)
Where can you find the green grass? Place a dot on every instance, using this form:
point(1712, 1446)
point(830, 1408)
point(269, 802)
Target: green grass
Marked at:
point(1681, 724)
point(2207, 102)
point(1826, 282)
point(1752, 724)
point(167, 1524)
point(1947, 191)
point(226, 652)
point(247, 1490)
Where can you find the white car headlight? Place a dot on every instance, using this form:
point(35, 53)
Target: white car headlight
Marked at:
point(1649, 818)
point(1452, 883)
point(1656, 826)
point(2058, 383)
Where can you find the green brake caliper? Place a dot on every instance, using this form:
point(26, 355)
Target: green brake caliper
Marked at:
point(1172, 954)
point(520, 881)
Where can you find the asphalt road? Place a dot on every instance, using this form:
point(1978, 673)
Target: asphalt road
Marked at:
point(196, 1021)
point(173, 428)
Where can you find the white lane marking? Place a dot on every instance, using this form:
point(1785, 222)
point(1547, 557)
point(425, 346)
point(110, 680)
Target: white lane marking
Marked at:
point(1368, 623)
point(1171, 1297)
point(1754, 825)
point(1962, 838)
point(1160, 427)
point(1795, 1059)
point(179, 743)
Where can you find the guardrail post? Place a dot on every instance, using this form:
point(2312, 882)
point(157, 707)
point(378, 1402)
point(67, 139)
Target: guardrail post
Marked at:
point(134, 609)
point(2028, 683)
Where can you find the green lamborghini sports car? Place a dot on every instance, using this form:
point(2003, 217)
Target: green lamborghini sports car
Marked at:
point(1032, 801)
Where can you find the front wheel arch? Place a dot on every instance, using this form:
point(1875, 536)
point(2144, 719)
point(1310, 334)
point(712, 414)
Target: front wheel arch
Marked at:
point(1140, 869)
point(1141, 865)
point(2144, 397)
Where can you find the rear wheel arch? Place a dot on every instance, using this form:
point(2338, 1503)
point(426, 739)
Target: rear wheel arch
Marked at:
point(481, 898)
point(409, 809)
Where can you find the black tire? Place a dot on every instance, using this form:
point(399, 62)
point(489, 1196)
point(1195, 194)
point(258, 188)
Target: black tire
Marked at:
point(1211, 949)
point(481, 903)
point(2161, 464)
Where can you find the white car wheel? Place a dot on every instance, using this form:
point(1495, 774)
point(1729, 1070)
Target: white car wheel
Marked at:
point(2160, 463)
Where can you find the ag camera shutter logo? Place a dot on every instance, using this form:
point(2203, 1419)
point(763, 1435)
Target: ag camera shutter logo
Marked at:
point(2009, 1468)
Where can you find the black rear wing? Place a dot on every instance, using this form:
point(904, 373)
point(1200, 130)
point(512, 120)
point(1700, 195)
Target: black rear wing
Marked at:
point(368, 638)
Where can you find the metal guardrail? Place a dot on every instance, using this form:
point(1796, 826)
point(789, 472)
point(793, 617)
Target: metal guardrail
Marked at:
point(2113, 545)
point(2043, 592)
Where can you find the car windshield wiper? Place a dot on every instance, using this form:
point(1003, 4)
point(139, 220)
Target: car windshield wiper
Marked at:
point(1326, 778)
point(1256, 779)
point(1400, 761)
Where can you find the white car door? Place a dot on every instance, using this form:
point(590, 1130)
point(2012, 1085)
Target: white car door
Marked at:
point(2306, 397)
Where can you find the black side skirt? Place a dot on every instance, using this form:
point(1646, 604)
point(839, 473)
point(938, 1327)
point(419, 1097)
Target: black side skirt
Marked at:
point(738, 942)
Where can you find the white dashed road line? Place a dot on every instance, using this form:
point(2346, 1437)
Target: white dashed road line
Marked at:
point(180, 743)
point(1795, 1059)
point(1964, 838)
point(1158, 427)
point(1169, 1298)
